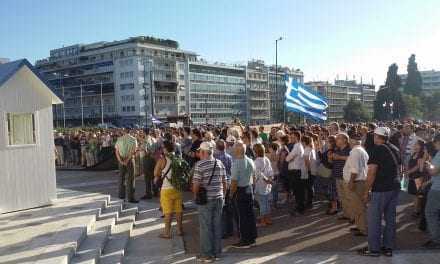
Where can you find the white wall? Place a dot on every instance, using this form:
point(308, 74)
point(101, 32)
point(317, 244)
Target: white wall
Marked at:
point(27, 173)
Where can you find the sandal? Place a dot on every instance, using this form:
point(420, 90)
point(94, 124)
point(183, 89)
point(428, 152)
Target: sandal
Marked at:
point(367, 253)
point(164, 236)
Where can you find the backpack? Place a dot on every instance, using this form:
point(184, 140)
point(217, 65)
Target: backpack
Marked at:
point(179, 173)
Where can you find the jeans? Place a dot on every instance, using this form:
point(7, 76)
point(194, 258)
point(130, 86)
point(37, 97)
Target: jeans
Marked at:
point(382, 203)
point(210, 221)
point(432, 214)
point(263, 202)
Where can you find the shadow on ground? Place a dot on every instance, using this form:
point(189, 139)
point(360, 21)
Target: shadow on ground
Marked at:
point(313, 232)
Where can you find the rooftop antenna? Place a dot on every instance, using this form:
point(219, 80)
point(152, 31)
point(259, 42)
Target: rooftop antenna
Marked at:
point(361, 79)
point(346, 76)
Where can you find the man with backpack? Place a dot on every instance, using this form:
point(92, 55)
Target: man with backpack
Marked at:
point(171, 170)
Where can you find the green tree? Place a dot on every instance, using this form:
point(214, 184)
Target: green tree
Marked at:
point(413, 85)
point(355, 111)
point(414, 107)
point(431, 106)
point(389, 103)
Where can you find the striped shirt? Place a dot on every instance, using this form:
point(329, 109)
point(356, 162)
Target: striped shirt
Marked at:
point(202, 173)
point(338, 165)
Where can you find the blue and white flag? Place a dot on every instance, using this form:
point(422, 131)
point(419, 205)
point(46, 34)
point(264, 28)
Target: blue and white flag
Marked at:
point(155, 121)
point(301, 99)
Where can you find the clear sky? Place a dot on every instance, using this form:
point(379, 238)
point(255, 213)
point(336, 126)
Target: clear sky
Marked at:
point(324, 38)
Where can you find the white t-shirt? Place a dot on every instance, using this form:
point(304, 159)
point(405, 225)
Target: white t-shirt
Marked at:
point(296, 163)
point(166, 184)
point(310, 154)
point(263, 168)
point(357, 162)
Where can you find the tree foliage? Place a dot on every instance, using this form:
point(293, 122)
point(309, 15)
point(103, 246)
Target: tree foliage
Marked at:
point(413, 85)
point(413, 106)
point(355, 111)
point(431, 106)
point(389, 103)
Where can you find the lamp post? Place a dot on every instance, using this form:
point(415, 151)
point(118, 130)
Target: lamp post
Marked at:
point(389, 104)
point(276, 73)
point(151, 91)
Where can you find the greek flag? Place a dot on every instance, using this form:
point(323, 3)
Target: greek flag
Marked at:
point(154, 120)
point(301, 99)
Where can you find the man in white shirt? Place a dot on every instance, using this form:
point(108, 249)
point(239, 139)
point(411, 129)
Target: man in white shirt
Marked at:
point(355, 174)
point(295, 166)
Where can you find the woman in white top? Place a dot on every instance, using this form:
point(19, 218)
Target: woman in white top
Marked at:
point(263, 183)
point(311, 168)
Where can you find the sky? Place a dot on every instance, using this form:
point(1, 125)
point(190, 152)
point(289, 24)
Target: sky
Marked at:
point(326, 39)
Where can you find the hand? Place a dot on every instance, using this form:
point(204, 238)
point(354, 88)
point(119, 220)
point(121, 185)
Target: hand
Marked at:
point(366, 197)
point(351, 186)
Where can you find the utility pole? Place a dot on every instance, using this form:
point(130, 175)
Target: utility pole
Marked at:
point(206, 111)
point(82, 105)
point(102, 107)
point(276, 74)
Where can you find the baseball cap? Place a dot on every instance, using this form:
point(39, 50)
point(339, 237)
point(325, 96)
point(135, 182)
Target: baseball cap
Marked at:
point(382, 131)
point(231, 139)
point(206, 146)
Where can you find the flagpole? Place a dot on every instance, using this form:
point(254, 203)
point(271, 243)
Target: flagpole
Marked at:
point(64, 109)
point(82, 105)
point(276, 74)
point(102, 107)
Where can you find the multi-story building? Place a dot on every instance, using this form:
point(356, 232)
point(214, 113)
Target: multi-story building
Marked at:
point(217, 93)
point(277, 87)
point(341, 92)
point(257, 93)
point(124, 82)
point(430, 81)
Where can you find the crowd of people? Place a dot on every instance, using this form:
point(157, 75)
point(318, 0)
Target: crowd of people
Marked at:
point(240, 175)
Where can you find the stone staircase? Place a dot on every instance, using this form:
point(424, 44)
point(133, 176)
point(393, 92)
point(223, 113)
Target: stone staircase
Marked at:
point(108, 239)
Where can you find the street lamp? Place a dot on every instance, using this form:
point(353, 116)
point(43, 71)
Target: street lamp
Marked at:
point(389, 104)
point(151, 92)
point(276, 73)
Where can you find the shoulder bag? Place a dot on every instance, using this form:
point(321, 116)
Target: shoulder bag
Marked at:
point(202, 196)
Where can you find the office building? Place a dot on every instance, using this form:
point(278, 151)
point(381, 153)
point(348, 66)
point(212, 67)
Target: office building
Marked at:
point(217, 92)
point(122, 82)
point(257, 93)
point(342, 91)
point(430, 81)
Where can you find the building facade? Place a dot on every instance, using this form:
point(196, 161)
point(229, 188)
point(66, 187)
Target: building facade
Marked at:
point(217, 93)
point(257, 93)
point(122, 82)
point(430, 81)
point(342, 91)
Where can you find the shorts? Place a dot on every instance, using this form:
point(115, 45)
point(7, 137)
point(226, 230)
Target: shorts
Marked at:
point(171, 201)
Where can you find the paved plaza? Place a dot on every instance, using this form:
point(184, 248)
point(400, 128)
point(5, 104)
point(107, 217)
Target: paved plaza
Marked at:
point(62, 232)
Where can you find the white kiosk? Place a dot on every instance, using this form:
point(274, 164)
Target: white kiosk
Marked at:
point(27, 167)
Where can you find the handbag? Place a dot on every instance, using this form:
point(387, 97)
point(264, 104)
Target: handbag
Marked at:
point(324, 172)
point(159, 183)
point(202, 195)
point(412, 188)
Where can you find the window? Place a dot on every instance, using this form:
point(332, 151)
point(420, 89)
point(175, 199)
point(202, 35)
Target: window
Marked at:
point(21, 129)
point(126, 86)
point(182, 77)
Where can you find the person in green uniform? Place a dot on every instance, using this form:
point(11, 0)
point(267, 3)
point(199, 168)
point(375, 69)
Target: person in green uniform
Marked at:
point(125, 149)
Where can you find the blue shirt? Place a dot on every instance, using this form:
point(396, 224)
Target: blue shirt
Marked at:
point(226, 159)
point(242, 171)
point(436, 179)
